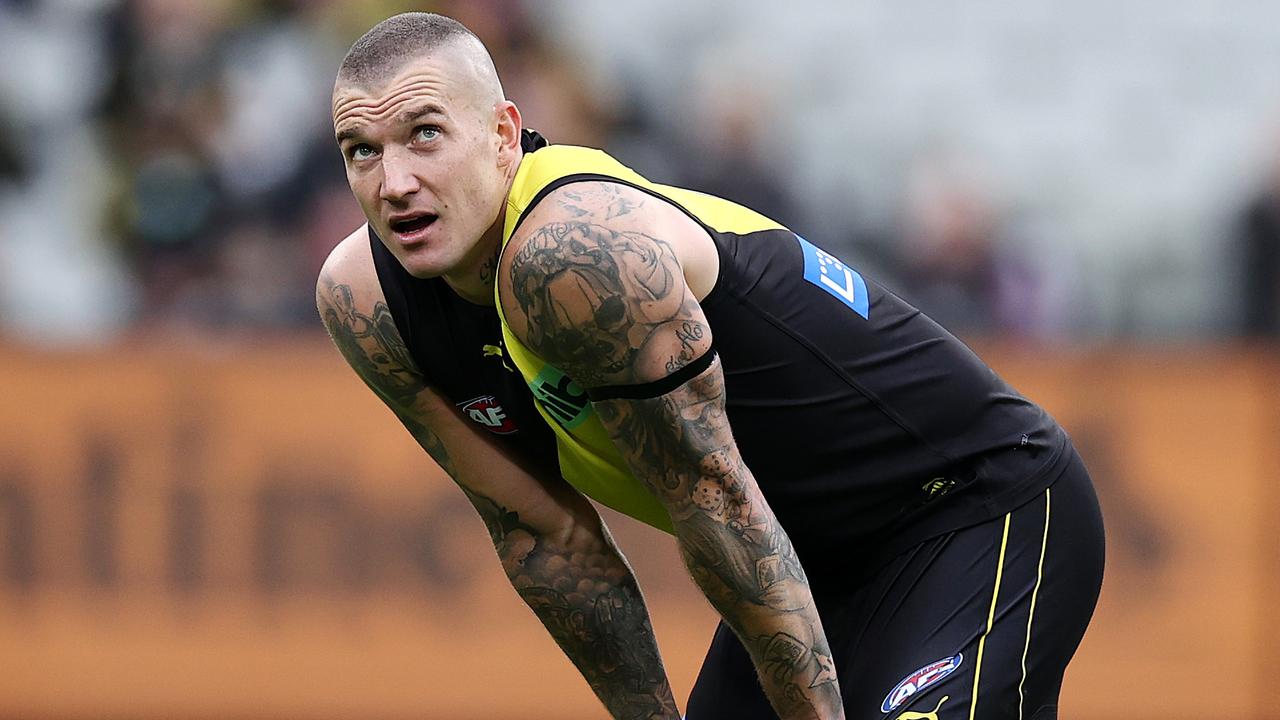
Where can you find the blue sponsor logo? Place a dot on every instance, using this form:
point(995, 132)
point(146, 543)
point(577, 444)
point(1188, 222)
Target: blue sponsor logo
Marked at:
point(917, 681)
point(839, 280)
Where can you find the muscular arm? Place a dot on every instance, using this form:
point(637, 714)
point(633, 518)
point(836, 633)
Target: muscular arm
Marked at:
point(606, 302)
point(552, 544)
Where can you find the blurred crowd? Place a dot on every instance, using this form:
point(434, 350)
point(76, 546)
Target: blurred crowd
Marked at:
point(168, 166)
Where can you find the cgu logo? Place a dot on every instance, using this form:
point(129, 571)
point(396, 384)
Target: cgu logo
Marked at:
point(919, 680)
point(486, 411)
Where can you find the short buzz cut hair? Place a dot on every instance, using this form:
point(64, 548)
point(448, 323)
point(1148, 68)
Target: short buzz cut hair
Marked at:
point(396, 40)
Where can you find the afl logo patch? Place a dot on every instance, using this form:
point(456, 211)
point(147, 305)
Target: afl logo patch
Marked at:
point(917, 681)
point(486, 411)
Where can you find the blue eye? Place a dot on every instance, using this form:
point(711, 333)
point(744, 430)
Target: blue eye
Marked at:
point(360, 152)
point(426, 133)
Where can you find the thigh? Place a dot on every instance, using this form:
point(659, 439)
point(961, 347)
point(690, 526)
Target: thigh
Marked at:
point(980, 623)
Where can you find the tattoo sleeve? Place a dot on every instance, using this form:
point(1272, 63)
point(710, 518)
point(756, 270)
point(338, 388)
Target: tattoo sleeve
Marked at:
point(577, 583)
point(606, 308)
point(586, 596)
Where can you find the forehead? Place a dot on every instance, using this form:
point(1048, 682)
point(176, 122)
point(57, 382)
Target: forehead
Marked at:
point(431, 82)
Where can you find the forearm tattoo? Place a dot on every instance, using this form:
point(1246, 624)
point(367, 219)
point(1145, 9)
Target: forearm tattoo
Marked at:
point(732, 544)
point(586, 596)
point(606, 308)
point(589, 601)
point(373, 347)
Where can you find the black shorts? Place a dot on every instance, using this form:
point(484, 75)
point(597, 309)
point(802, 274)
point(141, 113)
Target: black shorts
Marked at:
point(978, 623)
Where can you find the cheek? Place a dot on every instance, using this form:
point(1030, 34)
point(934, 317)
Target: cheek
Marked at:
point(365, 187)
point(473, 183)
point(477, 179)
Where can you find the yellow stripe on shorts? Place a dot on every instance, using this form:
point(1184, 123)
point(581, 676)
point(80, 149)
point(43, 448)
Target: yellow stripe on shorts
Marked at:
point(991, 617)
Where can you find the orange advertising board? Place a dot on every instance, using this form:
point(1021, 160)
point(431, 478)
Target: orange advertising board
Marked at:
point(249, 534)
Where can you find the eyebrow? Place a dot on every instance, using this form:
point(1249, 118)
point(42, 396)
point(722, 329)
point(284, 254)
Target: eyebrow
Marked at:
point(404, 118)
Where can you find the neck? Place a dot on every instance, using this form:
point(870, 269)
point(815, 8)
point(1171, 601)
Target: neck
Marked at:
point(475, 283)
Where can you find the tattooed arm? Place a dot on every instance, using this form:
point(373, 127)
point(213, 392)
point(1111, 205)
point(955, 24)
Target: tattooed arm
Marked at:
point(599, 294)
point(550, 540)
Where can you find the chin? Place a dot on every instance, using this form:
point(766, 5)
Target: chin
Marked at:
point(427, 262)
point(422, 269)
point(421, 262)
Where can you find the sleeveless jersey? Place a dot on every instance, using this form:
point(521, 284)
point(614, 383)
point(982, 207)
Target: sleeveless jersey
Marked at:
point(457, 346)
point(868, 427)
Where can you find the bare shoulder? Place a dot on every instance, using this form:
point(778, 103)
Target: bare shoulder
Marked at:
point(350, 263)
point(617, 206)
point(354, 310)
point(620, 206)
point(348, 284)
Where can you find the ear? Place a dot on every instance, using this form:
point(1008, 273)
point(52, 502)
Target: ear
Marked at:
point(510, 126)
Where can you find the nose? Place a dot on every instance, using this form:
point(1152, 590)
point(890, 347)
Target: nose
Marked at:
point(398, 178)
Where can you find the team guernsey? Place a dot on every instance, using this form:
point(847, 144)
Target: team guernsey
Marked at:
point(457, 346)
point(927, 499)
point(868, 427)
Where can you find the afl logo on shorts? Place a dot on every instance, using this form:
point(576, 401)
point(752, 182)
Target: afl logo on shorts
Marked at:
point(486, 411)
point(917, 681)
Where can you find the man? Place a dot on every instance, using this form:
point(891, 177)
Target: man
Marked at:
point(886, 528)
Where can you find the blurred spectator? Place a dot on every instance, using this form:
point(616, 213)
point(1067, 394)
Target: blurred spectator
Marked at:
point(554, 96)
point(729, 146)
point(221, 123)
point(232, 190)
point(970, 267)
point(141, 142)
point(58, 282)
point(949, 261)
point(253, 282)
point(13, 167)
point(1259, 254)
point(167, 107)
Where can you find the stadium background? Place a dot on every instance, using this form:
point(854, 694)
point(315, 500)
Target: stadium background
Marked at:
point(204, 515)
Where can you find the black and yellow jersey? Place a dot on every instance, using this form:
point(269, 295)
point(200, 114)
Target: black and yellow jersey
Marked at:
point(457, 346)
point(867, 425)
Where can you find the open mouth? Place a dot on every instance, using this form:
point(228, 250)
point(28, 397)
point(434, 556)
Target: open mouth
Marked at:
point(411, 225)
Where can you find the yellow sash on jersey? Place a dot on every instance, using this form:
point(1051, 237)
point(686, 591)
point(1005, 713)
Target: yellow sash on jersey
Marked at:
point(588, 458)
